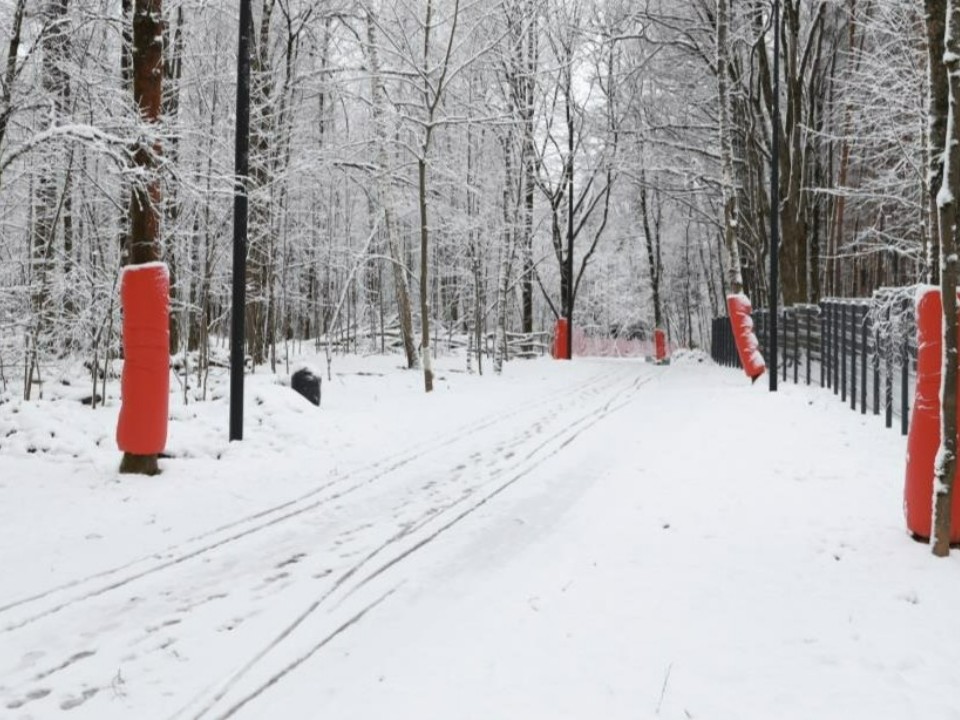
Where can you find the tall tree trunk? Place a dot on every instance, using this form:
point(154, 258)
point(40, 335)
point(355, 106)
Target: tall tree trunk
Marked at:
point(528, 161)
point(144, 238)
point(11, 69)
point(731, 245)
point(424, 274)
point(53, 80)
point(946, 462)
point(385, 192)
point(938, 105)
point(651, 234)
point(263, 141)
point(507, 251)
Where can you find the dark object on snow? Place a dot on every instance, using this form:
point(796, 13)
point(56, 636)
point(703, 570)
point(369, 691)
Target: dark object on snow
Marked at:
point(307, 384)
point(88, 400)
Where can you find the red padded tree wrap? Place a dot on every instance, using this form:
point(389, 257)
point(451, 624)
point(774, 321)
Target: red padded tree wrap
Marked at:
point(739, 309)
point(924, 440)
point(560, 340)
point(660, 341)
point(145, 384)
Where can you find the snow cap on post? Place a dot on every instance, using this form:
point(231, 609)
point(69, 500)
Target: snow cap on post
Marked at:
point(739, 309)
point(145, 384)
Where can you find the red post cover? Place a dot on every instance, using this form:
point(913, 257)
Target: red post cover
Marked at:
point(145, 383)
point(660, 341)
point(739, 309)
point(923, 442)
point(560, 340)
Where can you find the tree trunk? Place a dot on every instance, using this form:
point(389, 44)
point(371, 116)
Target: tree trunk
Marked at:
point(730, 212)
point(424, 275)
point(938, 103)
point(652, 242)
point(144, 238)
point(384, 190)
point(528, 161)
point(507, 252)
point(946, 462)
point(46, 211)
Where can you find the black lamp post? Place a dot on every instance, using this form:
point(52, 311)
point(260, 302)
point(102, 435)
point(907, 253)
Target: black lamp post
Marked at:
point(775, 202)
point(238, 312)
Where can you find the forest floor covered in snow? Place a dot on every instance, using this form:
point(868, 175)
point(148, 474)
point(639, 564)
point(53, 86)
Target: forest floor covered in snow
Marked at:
point(596, 539)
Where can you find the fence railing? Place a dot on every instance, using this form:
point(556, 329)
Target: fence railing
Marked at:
point(863, 350)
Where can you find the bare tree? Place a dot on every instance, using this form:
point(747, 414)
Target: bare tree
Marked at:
point(946, 462)
point(144, 239)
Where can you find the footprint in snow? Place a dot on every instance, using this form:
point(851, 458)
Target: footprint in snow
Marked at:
point(37, 694)
point(77, 701)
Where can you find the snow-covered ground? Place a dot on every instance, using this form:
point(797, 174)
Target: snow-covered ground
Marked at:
point(596, 539)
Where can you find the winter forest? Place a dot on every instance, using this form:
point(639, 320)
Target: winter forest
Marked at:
point(452, 169)
point(216, 212)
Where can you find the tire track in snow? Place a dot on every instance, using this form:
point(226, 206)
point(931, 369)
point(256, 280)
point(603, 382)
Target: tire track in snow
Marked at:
point(602, 384)
point(516, 472)
point(262, 520)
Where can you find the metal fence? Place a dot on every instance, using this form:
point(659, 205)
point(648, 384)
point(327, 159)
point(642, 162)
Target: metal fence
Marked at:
point(863, 350)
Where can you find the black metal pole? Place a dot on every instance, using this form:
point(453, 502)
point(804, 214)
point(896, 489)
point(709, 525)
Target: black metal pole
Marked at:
point(888, 380)
point(828, 343)
point(876, 369)
point(853, 357)
point(864, 341)
point(905, 377)
point(786, 344)
point(837, 318)
point(242, 160)
point(775, 199)
point(796, 345)
point(843, 352)
point(822, 341)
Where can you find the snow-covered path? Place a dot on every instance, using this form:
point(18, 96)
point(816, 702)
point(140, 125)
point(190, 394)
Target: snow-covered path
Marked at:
point(647, 542)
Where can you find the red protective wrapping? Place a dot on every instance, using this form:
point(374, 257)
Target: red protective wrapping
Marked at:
point(924, 440)
point(739, 309)
point(145, 384)
point(660, 342)
point(560, 333)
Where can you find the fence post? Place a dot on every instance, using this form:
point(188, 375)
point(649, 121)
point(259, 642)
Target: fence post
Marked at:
point(731, 345)
point(843, 352)
point(713, 339)
point(725, 340)
point(828, 343)
point(905, 373)
point(784, 344)
point(721, 342)
point(821, 344)
point(761, 328)
point(876, 368)
point(888, 381)
point(864, 339)
point(796, 345)
point(834, 335)
point(833, 349)
point(853, 357)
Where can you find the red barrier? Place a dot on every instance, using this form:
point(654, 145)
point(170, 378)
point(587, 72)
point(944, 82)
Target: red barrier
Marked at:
point(145, 384)
point(924, 440)
point(560, 333)
point(739, 309)
point(660, 340)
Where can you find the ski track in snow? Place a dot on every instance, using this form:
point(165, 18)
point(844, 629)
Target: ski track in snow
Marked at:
point(287, 579)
